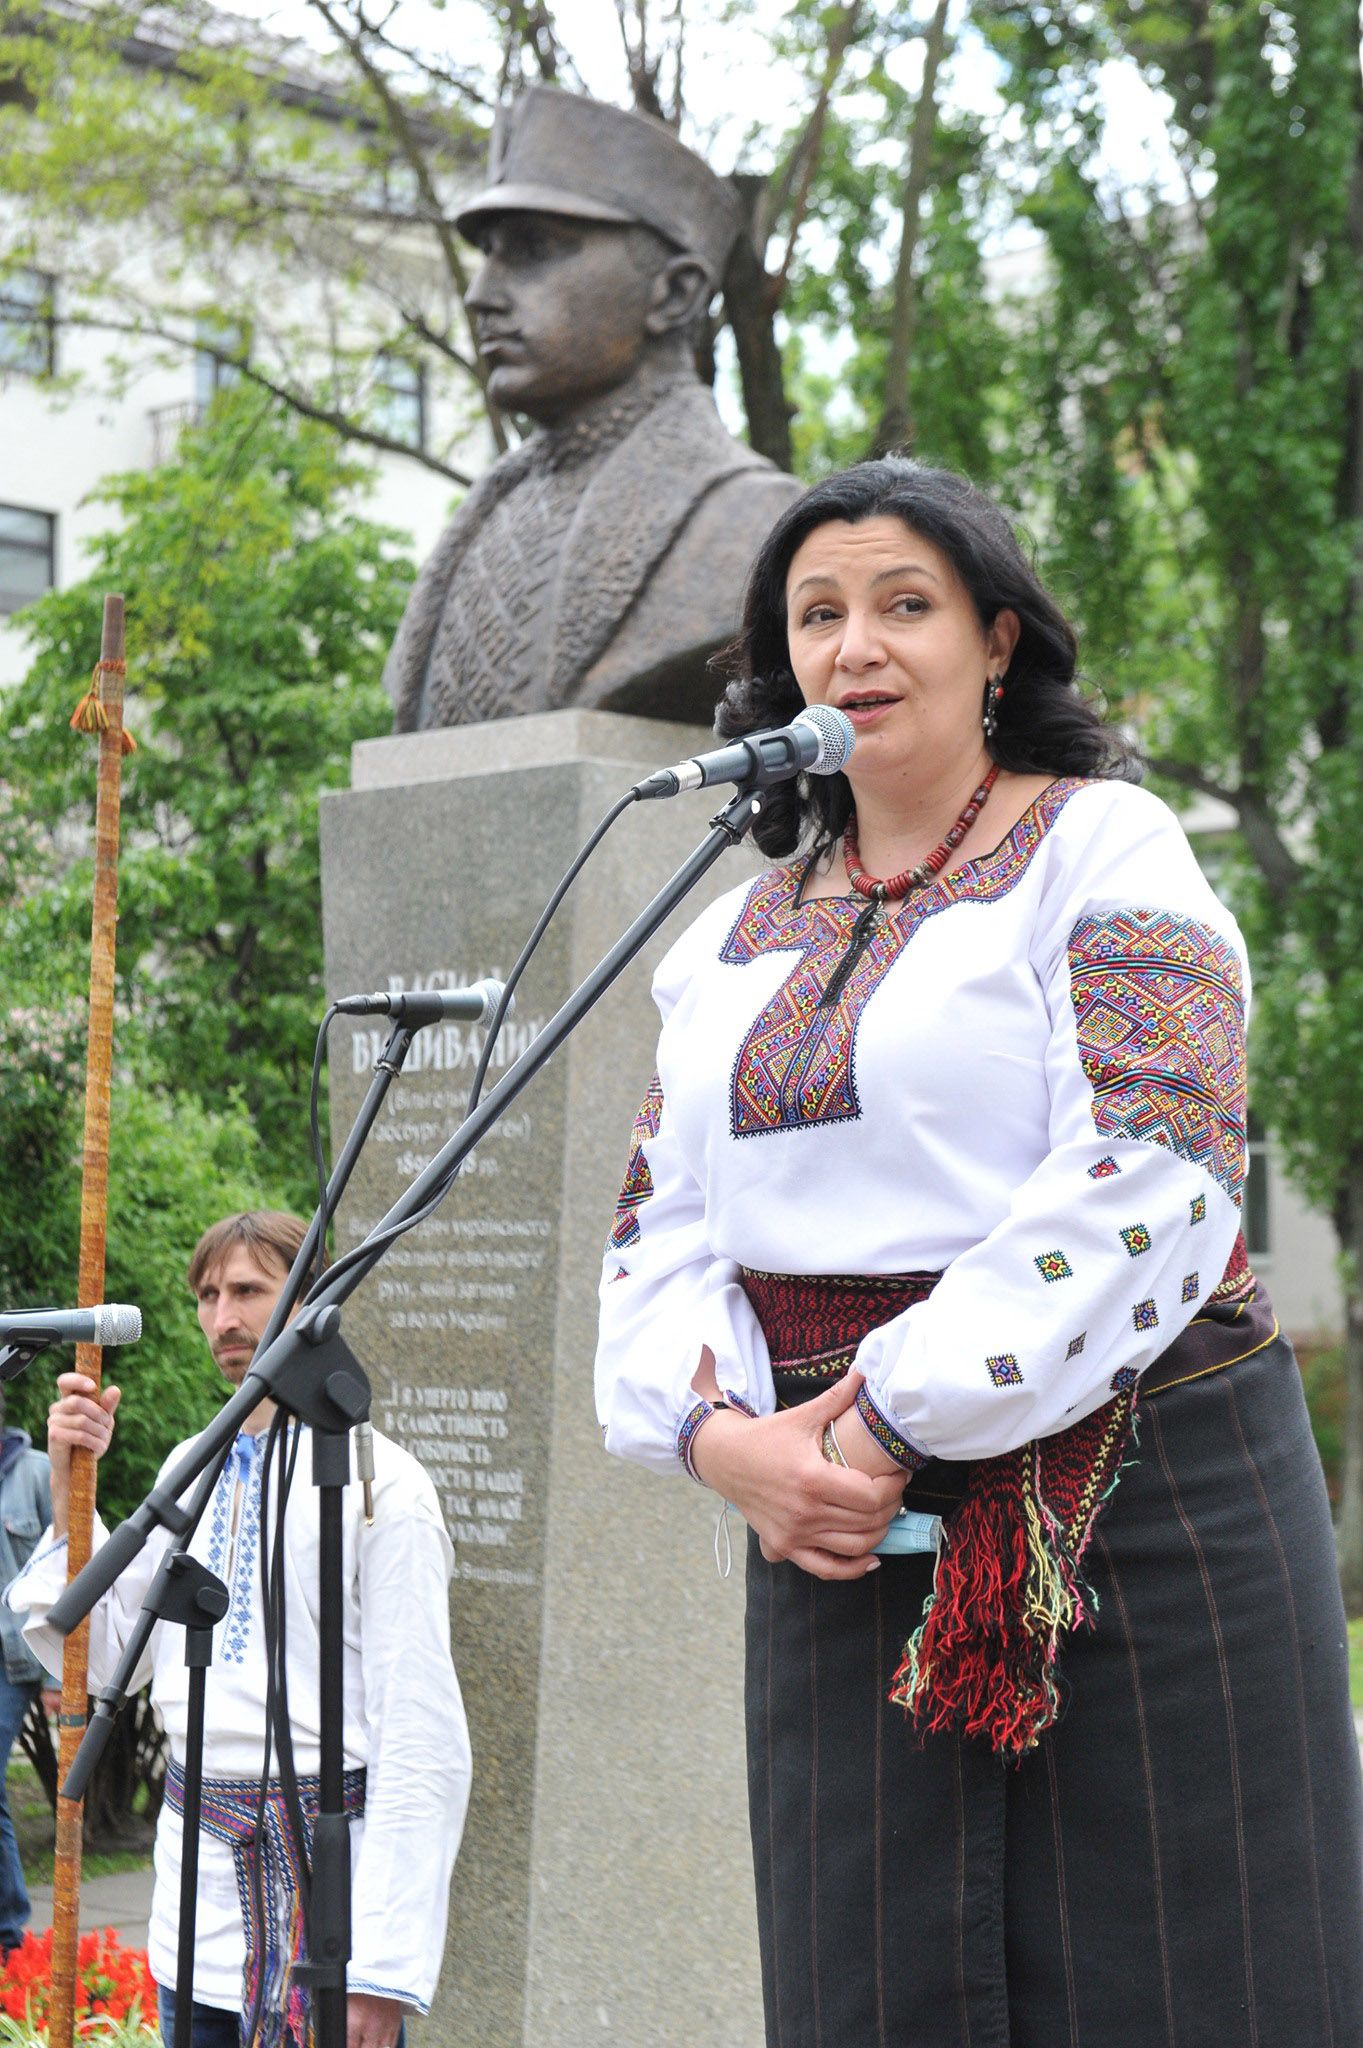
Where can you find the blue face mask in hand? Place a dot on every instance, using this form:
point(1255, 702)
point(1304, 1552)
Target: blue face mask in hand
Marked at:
point(910, 1531)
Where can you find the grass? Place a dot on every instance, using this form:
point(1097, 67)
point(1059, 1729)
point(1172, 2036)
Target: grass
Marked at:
point(1356, 1661)
point(1322, 1372)
point(34, 1831)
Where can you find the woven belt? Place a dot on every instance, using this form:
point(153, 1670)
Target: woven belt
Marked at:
point(266, 1856)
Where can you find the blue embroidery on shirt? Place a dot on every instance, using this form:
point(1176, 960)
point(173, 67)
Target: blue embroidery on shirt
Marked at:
point(243, 1468)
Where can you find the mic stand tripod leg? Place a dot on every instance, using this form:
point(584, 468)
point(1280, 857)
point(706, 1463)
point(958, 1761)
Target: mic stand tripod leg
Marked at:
point(193, 1597)
point(329, 1901)
point(323, 1384)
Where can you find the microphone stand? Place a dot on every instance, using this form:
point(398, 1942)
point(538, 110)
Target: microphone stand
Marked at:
point(184, 1592)
point(308, 1369)
point(194, 1597)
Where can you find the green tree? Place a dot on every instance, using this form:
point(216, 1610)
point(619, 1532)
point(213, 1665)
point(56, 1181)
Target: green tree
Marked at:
point(174, 1168)
point(259, 608)
point(1190, 437)
point(166, 193)
point(343, 172)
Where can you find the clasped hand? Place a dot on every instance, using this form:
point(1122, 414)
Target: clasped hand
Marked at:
point(826, 1518)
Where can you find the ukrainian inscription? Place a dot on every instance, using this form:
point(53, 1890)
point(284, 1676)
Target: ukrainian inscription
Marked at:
point(460, 1286)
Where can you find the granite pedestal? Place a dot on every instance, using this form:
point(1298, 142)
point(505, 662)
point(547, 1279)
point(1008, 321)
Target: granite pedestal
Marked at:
point(604, 1891)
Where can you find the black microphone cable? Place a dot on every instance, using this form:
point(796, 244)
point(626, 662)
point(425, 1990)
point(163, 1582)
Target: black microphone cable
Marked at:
point(374, 1245)
point(319, 1053)
point(256, 1871)
point(278, 1728)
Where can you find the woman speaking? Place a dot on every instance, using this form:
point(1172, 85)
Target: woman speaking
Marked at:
point(928, 1259)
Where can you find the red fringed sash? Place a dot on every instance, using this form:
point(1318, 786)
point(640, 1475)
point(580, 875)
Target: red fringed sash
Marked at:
point(1009, 1581)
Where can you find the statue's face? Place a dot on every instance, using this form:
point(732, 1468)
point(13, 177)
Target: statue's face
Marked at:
point(560, 309)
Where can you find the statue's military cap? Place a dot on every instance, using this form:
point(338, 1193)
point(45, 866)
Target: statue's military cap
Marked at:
point(558, 152)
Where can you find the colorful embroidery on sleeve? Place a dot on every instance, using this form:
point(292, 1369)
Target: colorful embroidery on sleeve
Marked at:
point(1145, 1315)
point(1160, 1016)
point(1004, 1370)
point(1197, 1209)
point(1076, 1345)
point(699, 1412)
point(1136, 1238)
point(1053, 1266)
point(638, 1182)
point(1190, 1287)
point(887, 1436)
point(1124, 1379)
point(1104, 1168)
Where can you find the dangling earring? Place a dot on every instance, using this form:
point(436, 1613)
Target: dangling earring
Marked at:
point(993, 697)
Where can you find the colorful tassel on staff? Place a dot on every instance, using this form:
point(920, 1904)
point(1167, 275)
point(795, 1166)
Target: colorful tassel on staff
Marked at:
point(92, 713)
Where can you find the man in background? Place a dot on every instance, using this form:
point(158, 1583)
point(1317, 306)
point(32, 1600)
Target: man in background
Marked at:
point(25, 1508)
point(405, 1735)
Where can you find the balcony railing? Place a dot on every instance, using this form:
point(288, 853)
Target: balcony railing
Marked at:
point(168, 422)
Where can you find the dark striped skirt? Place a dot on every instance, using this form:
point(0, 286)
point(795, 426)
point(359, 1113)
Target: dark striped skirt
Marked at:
point(1180, 1862)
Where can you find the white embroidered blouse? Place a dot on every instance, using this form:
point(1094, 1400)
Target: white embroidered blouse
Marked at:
point(1033, 1082)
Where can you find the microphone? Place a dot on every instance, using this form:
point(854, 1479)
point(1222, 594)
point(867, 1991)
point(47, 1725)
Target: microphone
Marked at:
point(418, 1006)
point(111, 1323)
point(30, 1330)
point(818, 742)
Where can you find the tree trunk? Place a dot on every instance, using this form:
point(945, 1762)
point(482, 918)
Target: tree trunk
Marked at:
point(896, 420)
point(749, 309)
point(1349, 1528)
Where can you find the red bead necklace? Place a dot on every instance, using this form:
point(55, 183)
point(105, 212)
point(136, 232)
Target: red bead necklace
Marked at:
point(899, 885)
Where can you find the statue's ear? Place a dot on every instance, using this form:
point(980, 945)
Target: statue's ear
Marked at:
point(681, 292)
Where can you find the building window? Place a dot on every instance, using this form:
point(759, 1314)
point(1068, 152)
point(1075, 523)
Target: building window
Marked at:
point(28, 328)
point(223, 347)
point(28, 555)
point(397, 188)
point(399, 402)
point(1257, 1237)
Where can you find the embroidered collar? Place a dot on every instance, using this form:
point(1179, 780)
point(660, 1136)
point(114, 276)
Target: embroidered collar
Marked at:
point(982, 880)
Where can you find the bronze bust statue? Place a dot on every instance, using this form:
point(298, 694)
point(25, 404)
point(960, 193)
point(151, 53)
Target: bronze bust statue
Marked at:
point(602, 561)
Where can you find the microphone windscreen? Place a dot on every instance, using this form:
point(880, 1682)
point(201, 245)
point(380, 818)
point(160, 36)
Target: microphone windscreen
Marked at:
point(837, 737)
point(117, 1323)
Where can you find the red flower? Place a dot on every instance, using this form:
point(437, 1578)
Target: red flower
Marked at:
point(110, 1980)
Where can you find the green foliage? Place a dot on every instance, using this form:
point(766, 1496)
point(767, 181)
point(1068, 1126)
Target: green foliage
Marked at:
point(841, 291)
point(1322, 1375)
point(1187, 432)
point(1184, 440)
point(259, 609)
point(169, 194)
point(174, 1168)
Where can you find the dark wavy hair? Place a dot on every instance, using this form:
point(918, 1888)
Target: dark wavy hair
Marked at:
point(1044, 724)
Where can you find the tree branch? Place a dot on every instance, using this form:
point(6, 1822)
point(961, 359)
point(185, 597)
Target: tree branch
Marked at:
point(896, 419)
point(438, 74)
point(344, 424)
point(405, 136)
point(797, 174)
point(1280, 870)
point(422, 329)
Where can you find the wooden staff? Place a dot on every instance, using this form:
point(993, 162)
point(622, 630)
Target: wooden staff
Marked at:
point(101, 711)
